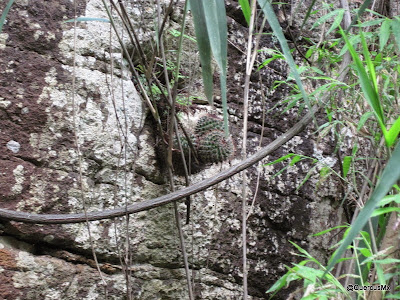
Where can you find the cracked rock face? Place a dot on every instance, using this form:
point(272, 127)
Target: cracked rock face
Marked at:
point(57, 90)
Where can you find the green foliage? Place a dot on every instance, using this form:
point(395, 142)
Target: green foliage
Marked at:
point(368, 82)
point(211, 32)
point(373, 79)
point(338, 14)
point(274, 23)
point(324, 172)
point(177, 33)
point(389, 177)
point(218, 34)
point(203, 43)
point(311, 277)
point(245, 6)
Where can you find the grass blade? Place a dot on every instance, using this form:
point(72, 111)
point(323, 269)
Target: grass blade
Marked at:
point(215, 16)
point(364, 118)
point(396, 30)
point(371, 68)
point(389, 177)
point(287, 156)
point(337, 21)
point(203, 44)
point(384, 33)
point(5, 13)
point(276, 27)
point(393, 132)
point(310, 7)
point(244, 4)
point(360, 11)
point(366, 86)
point(327, 17)
point(346, 165)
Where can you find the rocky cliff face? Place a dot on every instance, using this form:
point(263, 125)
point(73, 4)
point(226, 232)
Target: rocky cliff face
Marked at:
point(57, 91)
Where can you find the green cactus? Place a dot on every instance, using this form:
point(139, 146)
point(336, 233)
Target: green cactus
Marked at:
point(214, 147)
point(208, 123)
point(209, 141)
point(185, 143)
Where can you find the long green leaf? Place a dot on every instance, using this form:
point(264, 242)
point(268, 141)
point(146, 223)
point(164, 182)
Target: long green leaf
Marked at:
point(203, 44)
point(371, 68)
point(389, 177)
point(389, 199)
point(384, 210)
point(310, 7)
point(327, 17)
point(364, 119)
point(371, 23)
point(337, 21)
point(215, 16)
point(346, 165)
point(5, 13)
point(393, 132)
point(360, 11)
point(396, 30)
point(244, 4)
point(368, 89)
point(384, 33)
point(276, 27)
point(287, 156)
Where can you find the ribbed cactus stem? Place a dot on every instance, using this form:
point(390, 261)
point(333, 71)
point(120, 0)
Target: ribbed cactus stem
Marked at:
point(208, 123)
point(209, 140)
point(215, 147)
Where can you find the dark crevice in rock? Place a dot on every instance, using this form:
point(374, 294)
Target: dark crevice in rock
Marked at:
point(68, 255)
point(36, 163)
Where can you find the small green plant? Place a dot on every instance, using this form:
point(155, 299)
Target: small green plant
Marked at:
point(208, 123)
point(185, 144)
point(215, 147)
point(313, 286)
point(209, 141)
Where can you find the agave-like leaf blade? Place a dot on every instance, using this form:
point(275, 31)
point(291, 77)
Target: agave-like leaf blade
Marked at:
point(215, 15)
point(203, 44)
point(244, 4)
